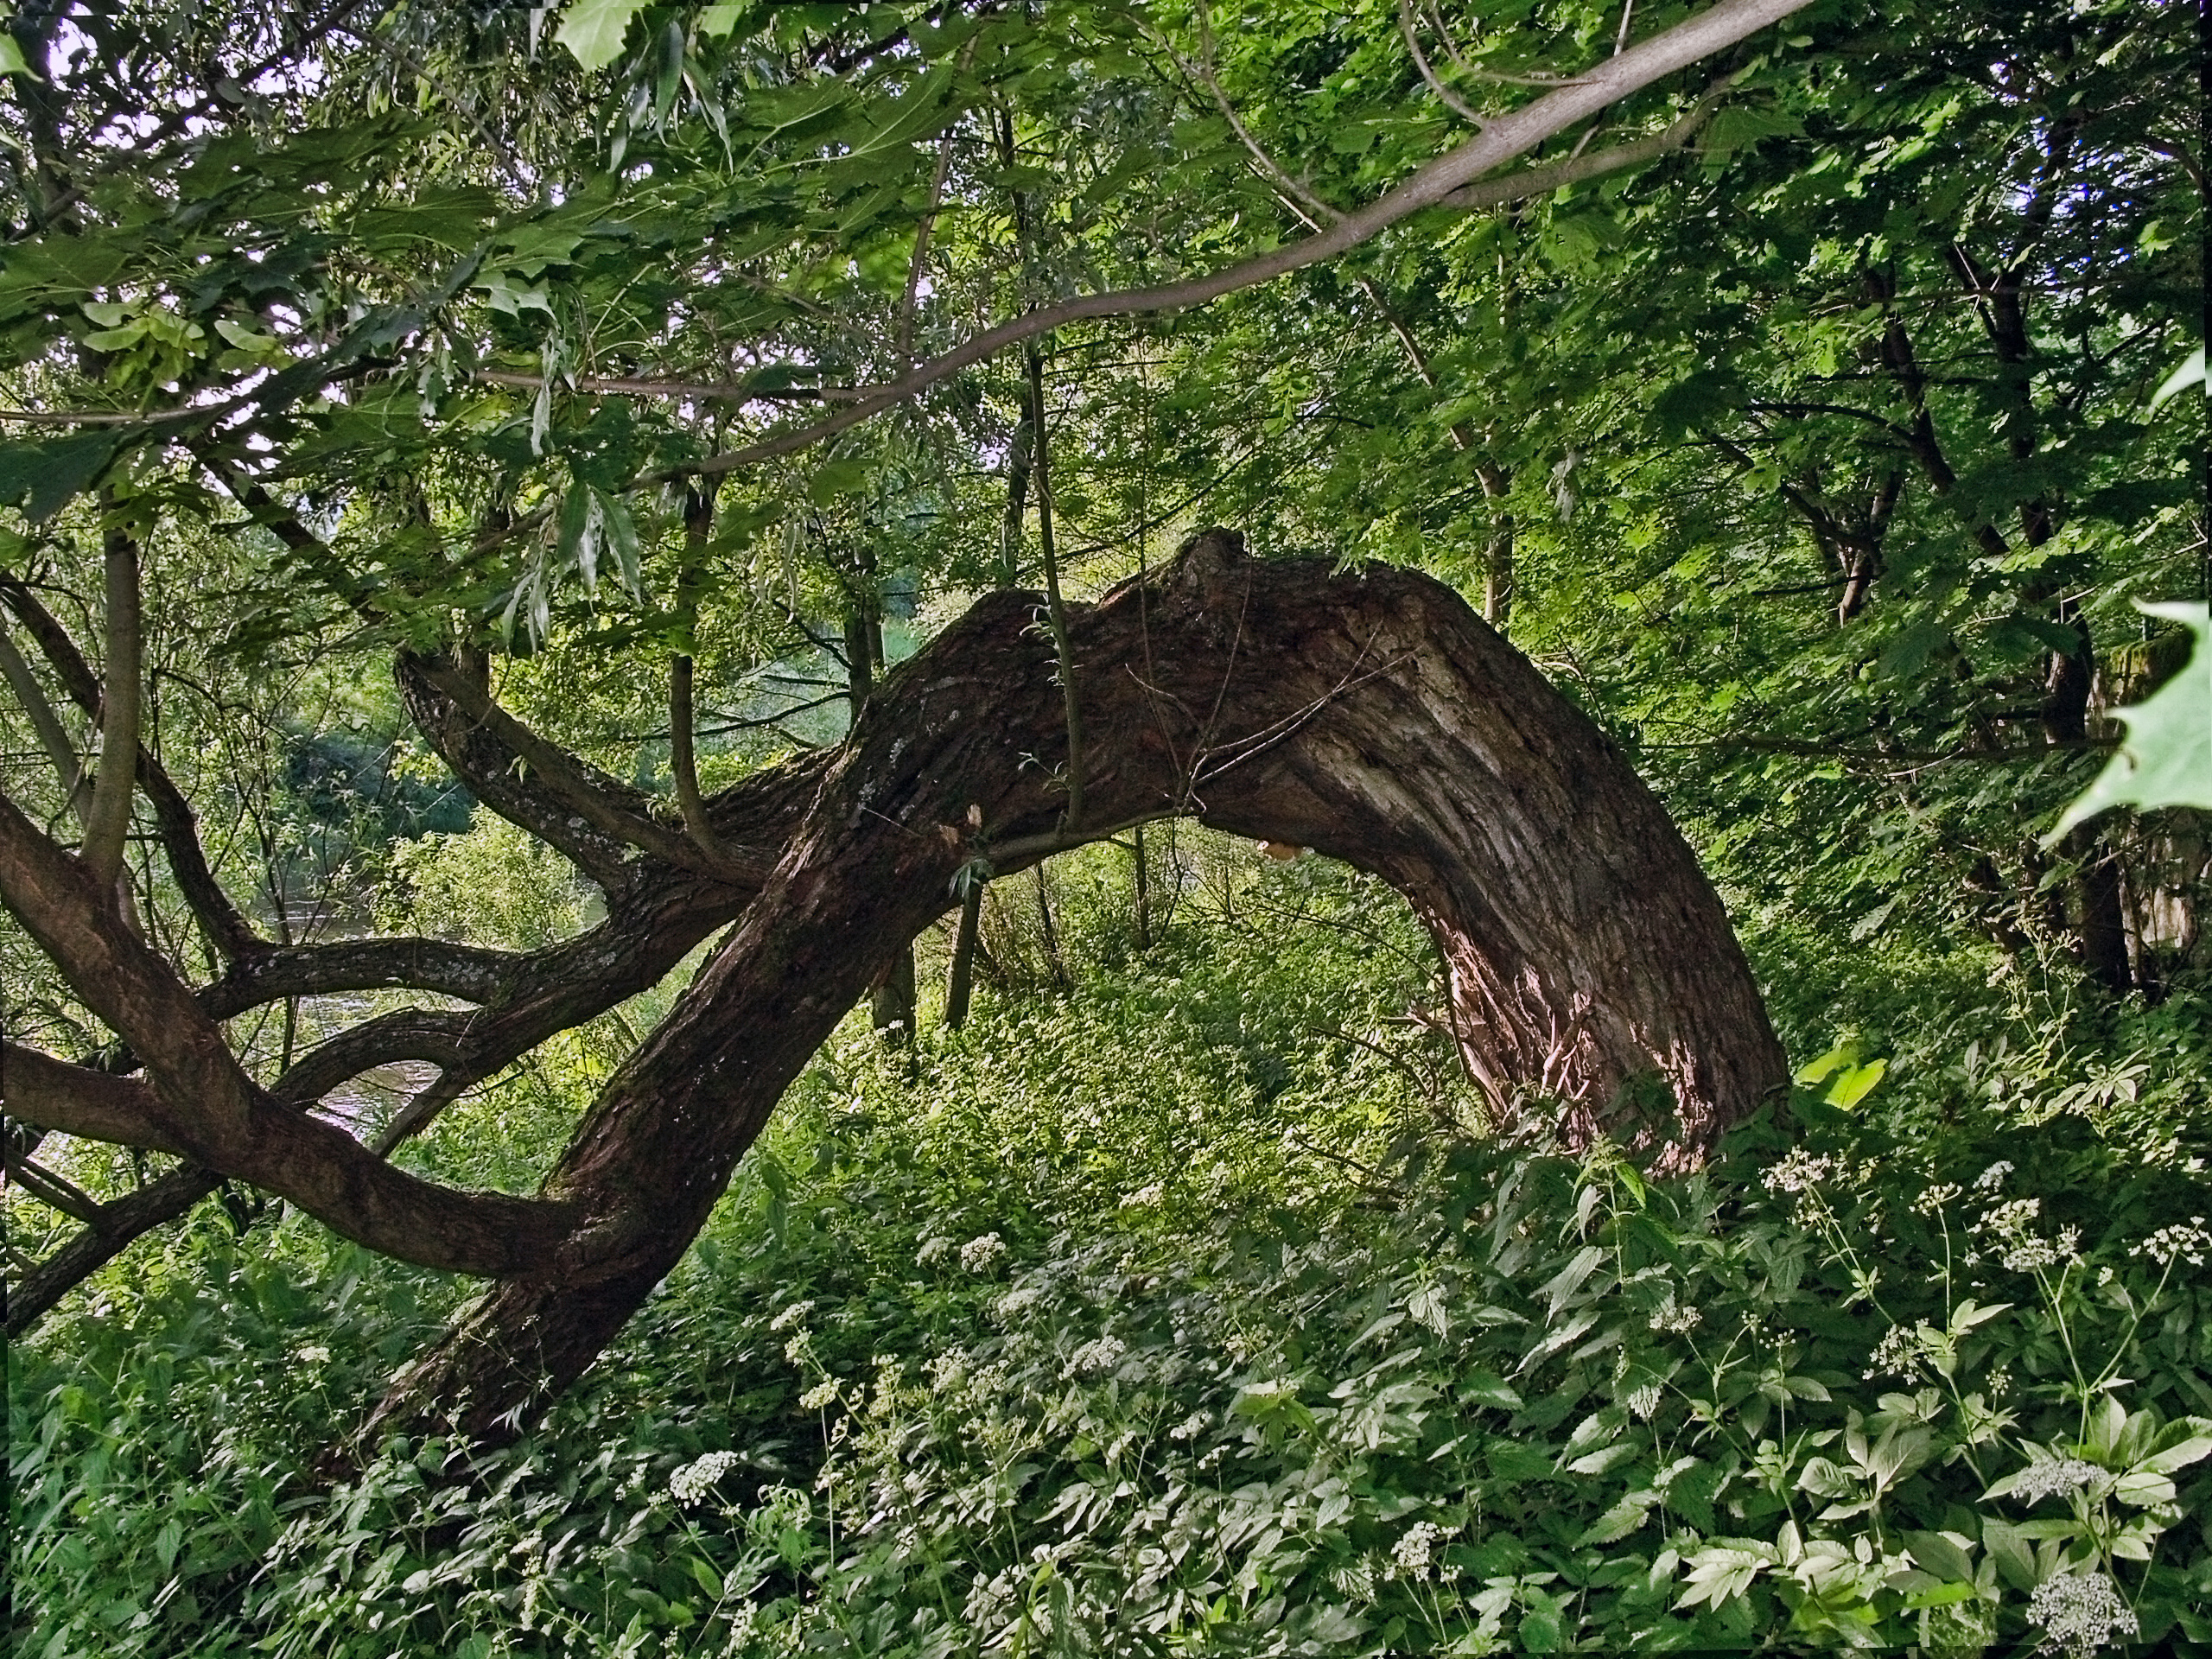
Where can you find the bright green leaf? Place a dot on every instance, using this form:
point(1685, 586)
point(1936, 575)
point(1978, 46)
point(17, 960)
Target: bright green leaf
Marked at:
point(2166, 760)
point(592, 30)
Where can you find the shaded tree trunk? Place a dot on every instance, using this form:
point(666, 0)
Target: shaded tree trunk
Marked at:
point(1371, 717)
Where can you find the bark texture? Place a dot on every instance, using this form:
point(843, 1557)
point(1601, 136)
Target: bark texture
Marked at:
point(1371, 717)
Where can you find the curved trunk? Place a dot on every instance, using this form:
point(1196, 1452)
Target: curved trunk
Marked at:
point(1370, 716)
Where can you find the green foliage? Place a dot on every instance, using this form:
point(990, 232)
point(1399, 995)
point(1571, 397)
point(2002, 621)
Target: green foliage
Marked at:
point(1159, 1312)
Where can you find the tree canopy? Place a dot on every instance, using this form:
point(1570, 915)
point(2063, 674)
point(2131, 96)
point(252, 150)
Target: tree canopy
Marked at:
point(573, 539)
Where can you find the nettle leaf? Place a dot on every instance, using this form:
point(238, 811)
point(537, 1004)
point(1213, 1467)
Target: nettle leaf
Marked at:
point(2166, 760)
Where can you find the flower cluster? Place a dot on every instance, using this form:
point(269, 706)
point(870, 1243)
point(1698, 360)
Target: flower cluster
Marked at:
point(2185, 1240)
point(2052, 1477)
point(1899, 1353)
point(933, 1249)
point(1412, 1552)
point(1093, 1358)
point(2081, 1610)
point(981, 1255)
point(1935, 1197)
point(822, 1394)
point(690, 1482)
point(2007, 1229)
point(790, 1316)
point(1993, 1178)
point(1801, 1172)
point(1680, 1321)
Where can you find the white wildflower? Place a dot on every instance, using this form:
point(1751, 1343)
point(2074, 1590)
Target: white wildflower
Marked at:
point(933, 1249)
point(1190, 1426)
point(800, 1348)
point(1898, 1353)
point(2000, 1379)
point(1151, 1194)
point(979, 1255)
point(949, 1370)
point(790, 1316)
point(1680, 1321)
point(1018, 1301)
point(1642, 1402)
point(2184, 1241)
point(2081, 1610)
point(1412, 1550)
point(2052, 1477)
point(314, 1356)
point(820, 1395)
point(1935, 1197)
point(1801, 1172)
point(1095, 1357)
point(691, 1483)
point(1993, 1178)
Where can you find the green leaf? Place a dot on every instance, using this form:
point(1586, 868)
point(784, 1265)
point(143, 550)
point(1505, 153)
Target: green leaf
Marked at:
point(13, 62)
point(592, 30)
point(1616, 1524)
point(1854, 1085)
point(2166, 760)
point(40, 477)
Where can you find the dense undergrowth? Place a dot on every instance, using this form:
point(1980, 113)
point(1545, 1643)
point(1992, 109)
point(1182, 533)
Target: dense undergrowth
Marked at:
point(1194, 1310)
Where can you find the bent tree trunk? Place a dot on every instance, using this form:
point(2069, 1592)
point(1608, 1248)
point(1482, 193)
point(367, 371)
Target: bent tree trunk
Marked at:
point(1371, 717)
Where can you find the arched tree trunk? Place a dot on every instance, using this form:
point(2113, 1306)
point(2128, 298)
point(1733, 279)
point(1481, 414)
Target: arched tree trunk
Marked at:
point(1370, 716)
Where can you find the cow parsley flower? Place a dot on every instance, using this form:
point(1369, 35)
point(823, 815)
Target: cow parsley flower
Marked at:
point(1679, 1321)
point(1935, 1197)
point(1412, 1552)
point(691, 1481)
point(1993, 1178)
point(2081, 1610)
point(2052, 1477)
point(820, 1395)
point(790, 1316)
point(1899, 1353)
point(933, 1249)
point(1801, 1172)
point(979, 1255)
point(1101, 1355)
point(2184, 1241)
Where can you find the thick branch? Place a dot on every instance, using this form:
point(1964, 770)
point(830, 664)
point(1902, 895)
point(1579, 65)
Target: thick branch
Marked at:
point(1369, 715)
point(51, 1094)
point(107, 820)
point(206, 1107)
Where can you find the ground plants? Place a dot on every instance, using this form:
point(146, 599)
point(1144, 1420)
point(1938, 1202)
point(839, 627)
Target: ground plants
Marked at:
point(1156, 1316)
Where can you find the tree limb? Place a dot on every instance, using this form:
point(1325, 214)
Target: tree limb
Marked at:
point(107, 819)
point(206, 1107)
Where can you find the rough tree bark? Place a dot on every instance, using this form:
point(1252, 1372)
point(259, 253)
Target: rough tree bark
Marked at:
point(1370, 716)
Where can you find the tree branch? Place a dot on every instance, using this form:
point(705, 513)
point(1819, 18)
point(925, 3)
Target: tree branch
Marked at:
point(205, 1106)
point(1450, 180)
point(107, 820)
point(220, 919)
